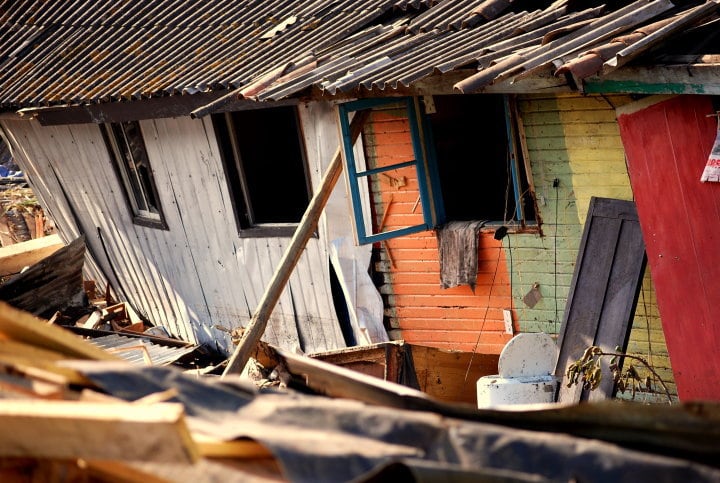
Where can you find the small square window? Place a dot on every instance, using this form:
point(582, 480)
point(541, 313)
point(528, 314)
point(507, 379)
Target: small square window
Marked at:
point(264, 159)
point(127, 148)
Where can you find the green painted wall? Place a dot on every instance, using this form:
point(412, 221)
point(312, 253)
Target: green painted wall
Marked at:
point(574, 139)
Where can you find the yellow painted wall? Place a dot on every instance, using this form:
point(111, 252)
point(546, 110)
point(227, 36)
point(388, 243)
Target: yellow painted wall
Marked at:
point(576, 140)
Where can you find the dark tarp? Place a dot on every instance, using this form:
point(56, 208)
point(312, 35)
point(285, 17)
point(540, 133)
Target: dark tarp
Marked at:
point(318, 439)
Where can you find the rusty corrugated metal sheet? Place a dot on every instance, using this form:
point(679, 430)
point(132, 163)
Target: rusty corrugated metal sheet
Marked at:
point(89, 51)
point(93, 51)
point(140, 351)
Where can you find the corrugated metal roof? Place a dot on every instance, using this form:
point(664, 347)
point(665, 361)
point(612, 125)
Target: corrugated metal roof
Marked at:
point(140, 351)
point(89, 51)
point(137, 350)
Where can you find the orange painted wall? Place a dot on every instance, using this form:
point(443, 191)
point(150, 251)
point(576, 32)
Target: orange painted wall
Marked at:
point(416, 307)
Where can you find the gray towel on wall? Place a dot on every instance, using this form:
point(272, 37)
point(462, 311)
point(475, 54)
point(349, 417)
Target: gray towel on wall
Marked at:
point(458, 247)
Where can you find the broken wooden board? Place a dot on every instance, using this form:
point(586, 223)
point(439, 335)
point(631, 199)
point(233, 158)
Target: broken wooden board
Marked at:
point(52, 284)
point(21, 326)
point(74, 429)
point(603, 293)
point(445, 375)
point(14, 258)
point(451, 376)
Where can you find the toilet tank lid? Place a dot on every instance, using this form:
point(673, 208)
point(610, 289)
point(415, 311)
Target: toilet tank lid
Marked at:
point(528, 355)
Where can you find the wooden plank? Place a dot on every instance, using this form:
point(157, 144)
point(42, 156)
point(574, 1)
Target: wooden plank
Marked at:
point(660, 79)
point(14, 258)
point(621, 299)
point(24, 327)
point(52, 284)
point(238, 449)
point(74, 429)
point(604, 288)
point(451, 375)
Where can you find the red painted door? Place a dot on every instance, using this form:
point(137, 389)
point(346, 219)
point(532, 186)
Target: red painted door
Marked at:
point(667, 145)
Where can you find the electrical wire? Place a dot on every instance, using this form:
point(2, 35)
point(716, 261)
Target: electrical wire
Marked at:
point(487, 308)
point(556, 184)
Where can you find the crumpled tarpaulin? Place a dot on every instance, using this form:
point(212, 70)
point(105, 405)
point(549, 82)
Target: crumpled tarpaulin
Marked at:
point(319, 439)
point(458, 247)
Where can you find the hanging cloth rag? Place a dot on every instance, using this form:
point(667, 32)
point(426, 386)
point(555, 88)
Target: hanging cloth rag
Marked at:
point(458, 247)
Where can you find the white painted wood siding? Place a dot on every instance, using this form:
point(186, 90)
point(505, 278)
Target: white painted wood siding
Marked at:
point(198, 275)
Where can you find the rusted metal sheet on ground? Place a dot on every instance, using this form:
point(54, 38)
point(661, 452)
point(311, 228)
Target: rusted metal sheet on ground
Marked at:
point(603, 292)
point(667, 145)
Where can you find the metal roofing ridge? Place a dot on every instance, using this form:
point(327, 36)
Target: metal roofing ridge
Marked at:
point(632, 51)
point(336, 64)
point(323, 48)
point(519, 35)
point(492, 34)
point(589, 62)
point(513, 58)
point(329, 36)
point(415, 68)
point(607, 27)
point(561, 22)
point(241, 52)
point(438, 10)
point(411, 67)
point(35, 66)
point(402, 63)
point(544, 18)
point(447, 18)
point(167, 71)
point(115, 51)
point(305, 79)
point(121, 77)
point(388, 51)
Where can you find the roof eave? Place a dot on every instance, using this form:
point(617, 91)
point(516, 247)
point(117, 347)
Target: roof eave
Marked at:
point(659, 79)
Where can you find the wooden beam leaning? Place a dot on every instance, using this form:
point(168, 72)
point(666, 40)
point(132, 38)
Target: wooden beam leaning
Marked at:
point(305, 229)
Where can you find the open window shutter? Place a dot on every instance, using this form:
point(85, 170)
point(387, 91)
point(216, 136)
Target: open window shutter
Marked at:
point(389, 164)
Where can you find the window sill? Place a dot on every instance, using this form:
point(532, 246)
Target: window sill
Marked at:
point(512, 229)
point(151, 223)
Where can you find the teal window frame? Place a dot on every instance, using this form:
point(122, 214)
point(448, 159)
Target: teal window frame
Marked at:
point(425, 164)
point(421, 163)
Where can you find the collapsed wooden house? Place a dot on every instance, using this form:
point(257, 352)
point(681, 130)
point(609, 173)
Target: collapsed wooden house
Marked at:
point(184, 141)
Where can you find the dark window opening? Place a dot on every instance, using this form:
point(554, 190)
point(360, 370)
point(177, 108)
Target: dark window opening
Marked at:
point(132, 164)
point(265, 165)
point(480, 178)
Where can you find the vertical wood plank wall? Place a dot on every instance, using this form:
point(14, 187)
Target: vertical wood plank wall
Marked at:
point(198, 277)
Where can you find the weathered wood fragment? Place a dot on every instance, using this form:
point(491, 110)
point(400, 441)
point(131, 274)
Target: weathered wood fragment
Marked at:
point(24, 327)
point(604, 290)
point(14, 258)
point(52, 284)
point(73, 429)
